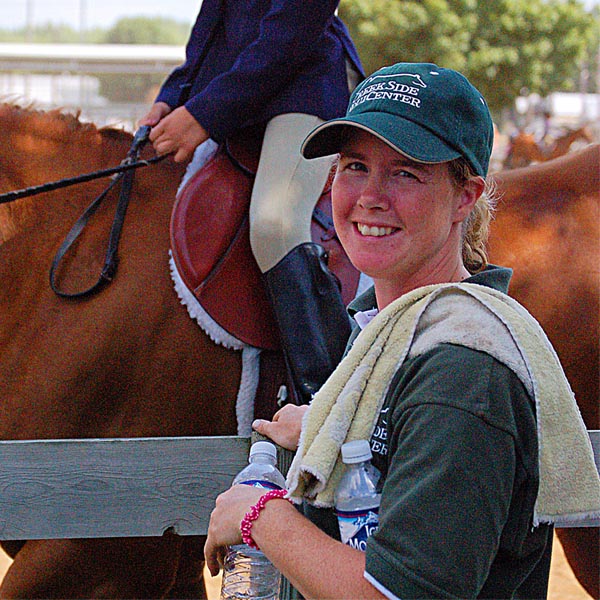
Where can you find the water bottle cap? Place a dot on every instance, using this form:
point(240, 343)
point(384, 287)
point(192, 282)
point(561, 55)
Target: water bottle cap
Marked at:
point(264, 448)
point(356, 451)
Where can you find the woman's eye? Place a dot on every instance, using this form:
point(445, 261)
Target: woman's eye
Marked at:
point(356, 166)
point(408, 174)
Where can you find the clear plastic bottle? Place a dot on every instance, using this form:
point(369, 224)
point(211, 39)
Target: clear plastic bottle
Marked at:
point(356, 498)
point(248, 573)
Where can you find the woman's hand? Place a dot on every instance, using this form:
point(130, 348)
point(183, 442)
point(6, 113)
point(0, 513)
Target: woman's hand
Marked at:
point(285, 427)
point(225, 520)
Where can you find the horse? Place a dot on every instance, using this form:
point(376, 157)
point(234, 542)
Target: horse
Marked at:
point(524, 149)
point(130, 361)
point(127, 362)
point(547, 228)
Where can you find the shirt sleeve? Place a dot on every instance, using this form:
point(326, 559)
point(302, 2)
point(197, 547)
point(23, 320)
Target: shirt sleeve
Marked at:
point(171, 89)
point(288, 34)
point(447, 494)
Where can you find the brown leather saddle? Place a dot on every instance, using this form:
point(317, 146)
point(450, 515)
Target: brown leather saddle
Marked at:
point(211, 247)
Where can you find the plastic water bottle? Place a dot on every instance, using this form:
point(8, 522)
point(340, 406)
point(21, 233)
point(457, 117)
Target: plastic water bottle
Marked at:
point(356, 498)
point(248, 573)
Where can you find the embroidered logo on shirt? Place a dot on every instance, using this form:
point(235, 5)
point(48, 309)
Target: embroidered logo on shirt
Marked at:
point(379, 443)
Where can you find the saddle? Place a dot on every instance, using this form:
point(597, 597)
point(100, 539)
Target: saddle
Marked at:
point(210, 247)
point(210, 244)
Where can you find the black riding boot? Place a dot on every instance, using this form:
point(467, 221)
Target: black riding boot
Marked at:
point(311, 316)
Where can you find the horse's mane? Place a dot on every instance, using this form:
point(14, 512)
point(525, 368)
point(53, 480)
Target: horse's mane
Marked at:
point(59, 123)
point(64, 128)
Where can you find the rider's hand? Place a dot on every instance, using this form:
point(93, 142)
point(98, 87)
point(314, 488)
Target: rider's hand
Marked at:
point(158, 111)
point(285, 427)
point(178, 132)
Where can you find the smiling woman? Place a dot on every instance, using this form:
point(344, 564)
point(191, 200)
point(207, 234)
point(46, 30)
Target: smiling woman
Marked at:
point(449, 378)
point(400, 221)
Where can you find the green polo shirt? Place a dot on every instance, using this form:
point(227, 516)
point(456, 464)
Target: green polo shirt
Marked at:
point(456, 445)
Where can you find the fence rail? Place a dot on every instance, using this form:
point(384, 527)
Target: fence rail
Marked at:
point(123, 487)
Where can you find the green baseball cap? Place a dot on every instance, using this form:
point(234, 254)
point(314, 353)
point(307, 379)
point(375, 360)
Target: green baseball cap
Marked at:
point(423, 111)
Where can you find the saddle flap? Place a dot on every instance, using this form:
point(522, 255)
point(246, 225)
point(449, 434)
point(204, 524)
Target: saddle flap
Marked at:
point(211, 249)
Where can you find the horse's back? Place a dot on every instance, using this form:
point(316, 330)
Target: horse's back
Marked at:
point(575, 174)
point(547, 229)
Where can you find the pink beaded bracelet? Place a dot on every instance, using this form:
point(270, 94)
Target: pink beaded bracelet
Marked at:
point(254, 512)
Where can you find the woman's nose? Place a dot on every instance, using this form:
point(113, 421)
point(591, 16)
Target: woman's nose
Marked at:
point(373, 194)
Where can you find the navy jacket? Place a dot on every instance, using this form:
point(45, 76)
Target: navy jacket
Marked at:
point(248, 61)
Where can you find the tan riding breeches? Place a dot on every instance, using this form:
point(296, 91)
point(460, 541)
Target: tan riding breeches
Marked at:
point(286, 189)
point(287, 186)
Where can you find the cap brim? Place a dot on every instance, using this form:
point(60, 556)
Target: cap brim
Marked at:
point(404, 136)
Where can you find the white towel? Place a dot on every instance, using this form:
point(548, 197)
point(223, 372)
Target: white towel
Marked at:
point(347, 406)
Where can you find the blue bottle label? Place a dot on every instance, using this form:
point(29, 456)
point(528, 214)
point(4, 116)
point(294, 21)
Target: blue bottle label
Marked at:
point(261, 483)
point(357, 525)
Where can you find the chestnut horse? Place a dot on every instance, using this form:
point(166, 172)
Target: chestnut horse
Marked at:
point(524, 149)
point(127, 362)
point(547, 228)
point(130, 362)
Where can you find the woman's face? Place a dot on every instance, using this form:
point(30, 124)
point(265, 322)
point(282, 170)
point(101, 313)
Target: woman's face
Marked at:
point(399, 220)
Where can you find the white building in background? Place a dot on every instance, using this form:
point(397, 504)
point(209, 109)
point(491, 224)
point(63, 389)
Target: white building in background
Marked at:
point(569, 109)
point(575, 108)
point(64, 76)
point(52, 90)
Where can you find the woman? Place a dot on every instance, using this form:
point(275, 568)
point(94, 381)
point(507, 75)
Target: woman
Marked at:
point(431, 379)
point(289, 65)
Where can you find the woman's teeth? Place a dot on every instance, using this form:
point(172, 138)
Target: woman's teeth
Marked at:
point(374, 231)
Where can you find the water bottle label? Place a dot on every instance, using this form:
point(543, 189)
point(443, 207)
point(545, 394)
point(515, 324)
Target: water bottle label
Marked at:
point(357, 525)
point(261, 483)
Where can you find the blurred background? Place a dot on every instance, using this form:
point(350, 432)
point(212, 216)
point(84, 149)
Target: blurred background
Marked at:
point(536, 61)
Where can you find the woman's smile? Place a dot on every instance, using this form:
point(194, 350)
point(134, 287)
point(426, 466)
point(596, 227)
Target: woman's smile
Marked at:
point(375, 230)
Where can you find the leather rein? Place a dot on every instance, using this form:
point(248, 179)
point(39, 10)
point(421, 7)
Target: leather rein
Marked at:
point(123, 174)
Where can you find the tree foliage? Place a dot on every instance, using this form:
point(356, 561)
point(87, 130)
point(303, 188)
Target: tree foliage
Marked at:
point(139, 30)
point(504, 47)
point(147, 30)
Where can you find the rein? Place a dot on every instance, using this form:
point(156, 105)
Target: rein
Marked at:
point(111, 259)
point(61, 183)
point(124, 175)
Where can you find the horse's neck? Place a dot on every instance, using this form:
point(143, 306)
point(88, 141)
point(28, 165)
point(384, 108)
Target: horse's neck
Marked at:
point(572, 175)
point(38, 215)
point(42, 149)
point(9, 225)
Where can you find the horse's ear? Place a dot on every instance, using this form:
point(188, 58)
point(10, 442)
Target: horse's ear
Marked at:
point(114, 134)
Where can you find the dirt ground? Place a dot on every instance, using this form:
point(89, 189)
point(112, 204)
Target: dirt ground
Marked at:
point(563, 585)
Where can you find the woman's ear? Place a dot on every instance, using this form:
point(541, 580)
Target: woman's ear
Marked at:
point(469, 194)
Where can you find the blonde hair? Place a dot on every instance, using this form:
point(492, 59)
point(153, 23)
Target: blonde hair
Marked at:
point(476, 226)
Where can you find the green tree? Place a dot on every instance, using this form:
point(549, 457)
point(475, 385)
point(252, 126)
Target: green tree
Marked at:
point(503, 47)
point(48, 34)
point(147, 30)
point(139, 30)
